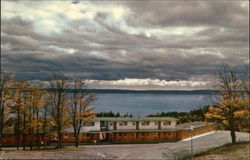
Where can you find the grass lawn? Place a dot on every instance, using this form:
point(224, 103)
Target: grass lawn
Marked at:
point(229, 151)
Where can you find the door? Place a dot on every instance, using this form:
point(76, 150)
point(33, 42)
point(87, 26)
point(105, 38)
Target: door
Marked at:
point(115, 124)
point(104, 126)
point(137, 125)
point(159, 124)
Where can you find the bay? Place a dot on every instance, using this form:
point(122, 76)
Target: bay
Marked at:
point(142, 104)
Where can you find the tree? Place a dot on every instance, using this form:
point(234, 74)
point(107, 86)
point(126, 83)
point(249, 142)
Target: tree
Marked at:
point(79, 110)
point(35, 105)
point(18, 108)
point(24, 113)
point(5, 96)
point(58, 106)
point(45, 106)
point(232, 107)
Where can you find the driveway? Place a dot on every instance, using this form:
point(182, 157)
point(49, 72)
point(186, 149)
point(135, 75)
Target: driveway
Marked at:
point(166, 150)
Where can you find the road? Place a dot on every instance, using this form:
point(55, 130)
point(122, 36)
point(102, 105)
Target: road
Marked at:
point(169, 150)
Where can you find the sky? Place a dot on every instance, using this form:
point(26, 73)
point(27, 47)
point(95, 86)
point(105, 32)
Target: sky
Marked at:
point(168, 45)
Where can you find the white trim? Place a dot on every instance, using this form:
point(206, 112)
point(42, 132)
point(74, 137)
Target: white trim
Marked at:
point(201, 135)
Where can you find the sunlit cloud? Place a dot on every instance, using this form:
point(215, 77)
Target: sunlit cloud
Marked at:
point(130, 83)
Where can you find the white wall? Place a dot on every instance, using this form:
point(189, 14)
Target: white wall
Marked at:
point(111, 127)
point(128, 126)
point(152, 125)
point(96, 127)
point(172, 125)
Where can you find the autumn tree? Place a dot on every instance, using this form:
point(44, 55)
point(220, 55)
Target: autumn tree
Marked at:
point(45, 112)
point(18, 107)
point(244, 116)
point(79, 109)
point(24, 112)
point(58, 106)
point(5, 96)
point(36, 102)
point(232, 107)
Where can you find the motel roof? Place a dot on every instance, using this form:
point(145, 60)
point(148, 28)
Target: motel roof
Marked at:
point(134, 130)
point(113, 119)
point(195, 124)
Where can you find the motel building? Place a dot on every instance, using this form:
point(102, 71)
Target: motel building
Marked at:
point(137, 129)
point(123, 130)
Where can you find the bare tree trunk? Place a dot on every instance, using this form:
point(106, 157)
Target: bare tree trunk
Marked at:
point(37, 130)
point(45, 125)
point(18, 130)
point(77, 140)
point(24, 127)
point(31, 131)
point(31, 139)
point(233, 136)
point(232, 129)
point(1, 126)
point(59, 140)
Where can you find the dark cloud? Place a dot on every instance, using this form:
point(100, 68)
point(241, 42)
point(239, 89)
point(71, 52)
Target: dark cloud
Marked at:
point(189, 13)
point(102, 50)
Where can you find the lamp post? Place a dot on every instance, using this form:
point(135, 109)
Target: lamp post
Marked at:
point(191, 128)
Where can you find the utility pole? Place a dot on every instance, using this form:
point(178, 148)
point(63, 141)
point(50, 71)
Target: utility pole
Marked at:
point(191, 128)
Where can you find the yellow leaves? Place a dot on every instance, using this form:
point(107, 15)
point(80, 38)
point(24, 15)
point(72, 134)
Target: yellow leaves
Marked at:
point(241, 113)
point(208, 115)
point(79, 100)
point(34, 123)
point(215, 113)
point(225, 122)
point(231, 108)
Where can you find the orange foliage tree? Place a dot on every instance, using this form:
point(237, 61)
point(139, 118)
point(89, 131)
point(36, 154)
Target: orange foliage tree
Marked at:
point(79, 109)
point(232, 110)
point(58, 106)
point(18, 108)
point(5, 98)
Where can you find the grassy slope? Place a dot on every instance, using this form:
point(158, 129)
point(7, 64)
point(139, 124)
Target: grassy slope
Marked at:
point(228, 151)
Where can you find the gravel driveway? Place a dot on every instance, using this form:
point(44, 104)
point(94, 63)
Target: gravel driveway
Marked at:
point(169, 150)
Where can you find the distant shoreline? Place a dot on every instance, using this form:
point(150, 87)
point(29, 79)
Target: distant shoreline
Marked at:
point(119, 91)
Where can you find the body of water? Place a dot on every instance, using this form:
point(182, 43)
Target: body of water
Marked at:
point(147, 103)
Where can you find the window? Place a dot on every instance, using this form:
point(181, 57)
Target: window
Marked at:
point(65, 136)
point(86, 135)
point(167, 123)
point(123, 123)
point(111, 124)
point(89, 124)
point(133, 123)
point(146, 123)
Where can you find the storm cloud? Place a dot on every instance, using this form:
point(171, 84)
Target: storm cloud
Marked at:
point(133, 45)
